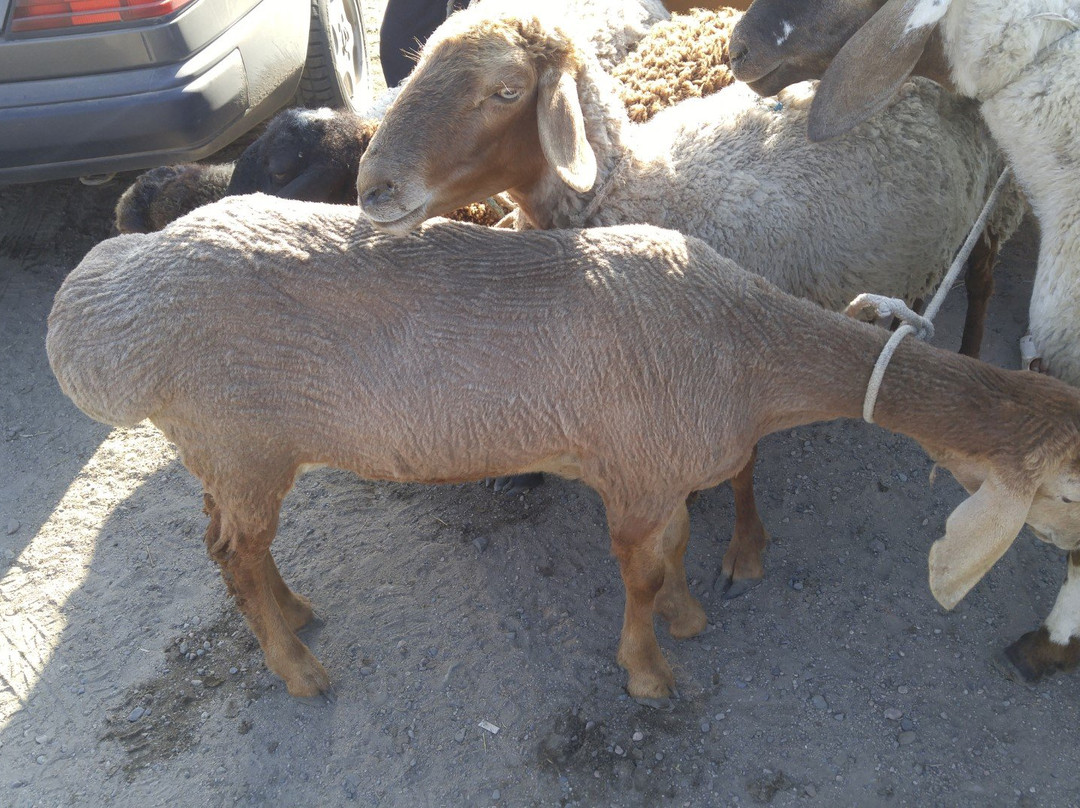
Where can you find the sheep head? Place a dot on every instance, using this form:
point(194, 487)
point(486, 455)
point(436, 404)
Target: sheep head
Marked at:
point(491, 104)
point(310, 155)
point(780, 42)
point(984, 526)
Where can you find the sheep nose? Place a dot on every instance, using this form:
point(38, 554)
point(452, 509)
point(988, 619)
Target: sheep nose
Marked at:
point(378, 194)
point(737, 51)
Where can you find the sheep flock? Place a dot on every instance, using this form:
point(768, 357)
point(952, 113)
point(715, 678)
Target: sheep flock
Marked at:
point(638, 235)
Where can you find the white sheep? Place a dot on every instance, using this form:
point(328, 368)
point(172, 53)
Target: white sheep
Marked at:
point(386, 355)
point(1021, 60)
point(531, 111)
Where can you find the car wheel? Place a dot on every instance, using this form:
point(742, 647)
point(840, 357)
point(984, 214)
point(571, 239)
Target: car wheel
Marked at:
point(336, 72)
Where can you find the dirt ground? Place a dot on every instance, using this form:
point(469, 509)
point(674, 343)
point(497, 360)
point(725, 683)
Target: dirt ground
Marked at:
point(128, 678)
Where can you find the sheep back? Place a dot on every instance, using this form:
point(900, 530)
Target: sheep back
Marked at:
point(683, 57)
point(262, 324)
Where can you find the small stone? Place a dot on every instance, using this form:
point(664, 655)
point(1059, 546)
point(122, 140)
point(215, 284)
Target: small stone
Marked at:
point(659, 756)
point(496, 795)
point(893, 714)
point(42, 739)
point(459, 736)
point(902, 689)
point(433, 651)
point(907, 725)
point(184, 648)
point(480, 543)
point(367, 670)
point(136, 714)
point(233, 671)
point(639, 736)
point(904, 738)
point(877, 546)
point(351, 786)
point(13, 527)
point(819, 702)
point(809, 790)
point(796, 584)
point(206, 645)
point(706, 727)
point(41, 759)
point(619, 750)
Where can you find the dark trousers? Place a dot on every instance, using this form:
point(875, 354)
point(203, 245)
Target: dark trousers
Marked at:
point(405, 28)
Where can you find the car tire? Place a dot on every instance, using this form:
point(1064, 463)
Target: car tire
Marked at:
point(336, 73)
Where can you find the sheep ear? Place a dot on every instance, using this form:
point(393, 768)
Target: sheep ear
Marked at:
point(246, 171)
point(321, 183)
point(872, 65)
point(562, 130)
point(977, 534)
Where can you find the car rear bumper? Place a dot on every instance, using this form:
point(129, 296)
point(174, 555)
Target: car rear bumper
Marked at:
point(133, 116)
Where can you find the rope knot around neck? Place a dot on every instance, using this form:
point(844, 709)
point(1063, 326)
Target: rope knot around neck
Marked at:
point(913, 323)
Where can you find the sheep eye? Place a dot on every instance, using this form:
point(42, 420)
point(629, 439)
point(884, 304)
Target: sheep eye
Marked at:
point(1067, 501)
point(508, 94)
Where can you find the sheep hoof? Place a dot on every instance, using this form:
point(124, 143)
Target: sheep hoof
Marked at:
point(666, 704)
point(731, 589)
point(1035, 656)
point(518, 483)
point(308, 680)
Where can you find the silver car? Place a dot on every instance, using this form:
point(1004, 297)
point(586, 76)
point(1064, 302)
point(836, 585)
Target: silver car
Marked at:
point(91, 87)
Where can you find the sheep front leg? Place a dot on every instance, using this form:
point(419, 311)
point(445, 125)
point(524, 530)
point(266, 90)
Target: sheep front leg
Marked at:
point(674, 602)
point(1054, 646)
point(742, 566)
point(638, 545)
point(252, 578)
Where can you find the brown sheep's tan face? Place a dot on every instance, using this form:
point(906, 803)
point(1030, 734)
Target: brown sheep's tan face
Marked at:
point(464, 128)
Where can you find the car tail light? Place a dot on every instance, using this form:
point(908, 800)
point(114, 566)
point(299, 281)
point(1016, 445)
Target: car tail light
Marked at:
point(37, 15)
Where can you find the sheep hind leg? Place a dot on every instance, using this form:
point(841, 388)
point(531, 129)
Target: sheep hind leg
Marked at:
point(674, 602)
point(296, 608)
point(1055, 645)
point(742, 568)
point(979, 281)
point(243, 555)
point(638, 545)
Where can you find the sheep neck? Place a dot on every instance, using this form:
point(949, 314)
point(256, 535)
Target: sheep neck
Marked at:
point(548, 202)
point(953, 406)
point(991, 44)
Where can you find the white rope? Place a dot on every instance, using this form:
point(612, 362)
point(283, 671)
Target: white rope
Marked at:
point(599, 195)
point(874, 385)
